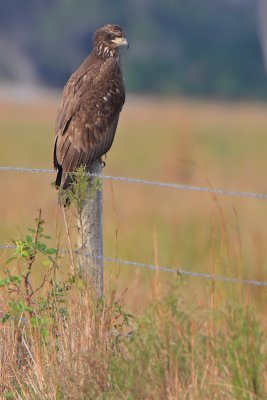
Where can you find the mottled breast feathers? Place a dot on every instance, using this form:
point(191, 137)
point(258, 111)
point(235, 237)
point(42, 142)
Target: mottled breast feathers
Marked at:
point(88, 115)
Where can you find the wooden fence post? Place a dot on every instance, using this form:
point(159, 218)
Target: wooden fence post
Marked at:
point(90, 233)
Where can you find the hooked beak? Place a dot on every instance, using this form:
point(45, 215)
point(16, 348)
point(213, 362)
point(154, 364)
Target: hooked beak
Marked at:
point(121, 42)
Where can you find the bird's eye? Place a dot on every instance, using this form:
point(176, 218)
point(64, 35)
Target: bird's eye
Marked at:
point(111, 36)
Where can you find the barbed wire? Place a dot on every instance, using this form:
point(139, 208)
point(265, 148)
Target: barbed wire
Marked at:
point(152, 267)
point(181, 272)
point(24, 169)
point(178, 186)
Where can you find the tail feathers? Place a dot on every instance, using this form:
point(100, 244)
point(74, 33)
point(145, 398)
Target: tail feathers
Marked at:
point(59, 177)
point(64, 198)
point(63, 183)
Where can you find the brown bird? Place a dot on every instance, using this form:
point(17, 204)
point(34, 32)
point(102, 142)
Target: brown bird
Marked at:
point(89, 112)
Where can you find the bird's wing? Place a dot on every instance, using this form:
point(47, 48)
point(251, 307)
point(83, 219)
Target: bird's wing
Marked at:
point(71, 93)
point(88, 115)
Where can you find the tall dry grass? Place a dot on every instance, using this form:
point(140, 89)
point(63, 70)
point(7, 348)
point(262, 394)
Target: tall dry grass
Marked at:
point(174, 351)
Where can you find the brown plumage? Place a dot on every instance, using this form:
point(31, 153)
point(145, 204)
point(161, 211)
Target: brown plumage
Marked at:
point(91, 103)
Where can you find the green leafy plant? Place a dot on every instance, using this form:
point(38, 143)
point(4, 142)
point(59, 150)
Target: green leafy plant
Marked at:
point(40, 304)
point(77, 191)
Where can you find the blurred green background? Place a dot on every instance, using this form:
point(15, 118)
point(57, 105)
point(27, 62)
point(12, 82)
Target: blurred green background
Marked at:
point(196, 47)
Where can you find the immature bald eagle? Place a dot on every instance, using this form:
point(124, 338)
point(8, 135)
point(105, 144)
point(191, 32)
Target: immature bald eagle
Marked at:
point(91, 103)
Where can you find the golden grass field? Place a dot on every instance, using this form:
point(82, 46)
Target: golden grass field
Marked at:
point(190, 339)
point(195, 142)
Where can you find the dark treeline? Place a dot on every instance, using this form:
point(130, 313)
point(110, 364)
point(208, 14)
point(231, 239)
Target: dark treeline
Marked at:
point(197, 47)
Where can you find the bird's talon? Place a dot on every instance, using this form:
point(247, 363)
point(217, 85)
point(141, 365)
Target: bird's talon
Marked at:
point(102, 162)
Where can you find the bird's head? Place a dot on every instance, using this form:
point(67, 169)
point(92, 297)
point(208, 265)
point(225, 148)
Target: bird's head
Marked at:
point(108, 40)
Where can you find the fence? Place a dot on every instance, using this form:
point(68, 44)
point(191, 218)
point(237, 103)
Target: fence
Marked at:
point(176, 186)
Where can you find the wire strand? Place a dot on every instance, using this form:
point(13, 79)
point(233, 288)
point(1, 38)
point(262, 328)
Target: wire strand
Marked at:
point(164, 185)
point(152, 267)
point(178, 186)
